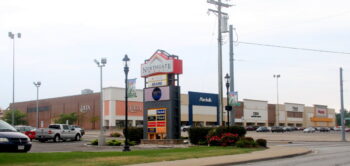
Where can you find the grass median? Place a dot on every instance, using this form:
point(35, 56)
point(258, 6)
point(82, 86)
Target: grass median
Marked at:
point(116, 158)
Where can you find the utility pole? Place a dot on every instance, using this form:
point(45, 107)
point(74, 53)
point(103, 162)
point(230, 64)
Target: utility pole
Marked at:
point(232, 73)
point(342, 106)
point(219, 5)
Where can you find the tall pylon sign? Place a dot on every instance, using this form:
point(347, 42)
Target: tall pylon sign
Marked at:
point(162, 114)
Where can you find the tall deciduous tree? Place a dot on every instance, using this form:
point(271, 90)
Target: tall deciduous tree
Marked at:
point(72, 118)
point(20, 117)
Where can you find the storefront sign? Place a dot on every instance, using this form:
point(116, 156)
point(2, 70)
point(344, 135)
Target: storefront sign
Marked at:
point(156, 120)
point(320, 111)
point(85, 108)
point(205, 99)
point(255, 115)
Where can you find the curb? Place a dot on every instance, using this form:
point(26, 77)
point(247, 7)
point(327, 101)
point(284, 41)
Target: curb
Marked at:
point(264, 159)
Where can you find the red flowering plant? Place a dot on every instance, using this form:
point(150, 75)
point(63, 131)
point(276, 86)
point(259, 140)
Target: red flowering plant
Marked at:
point(226, 139)
point(214, 141)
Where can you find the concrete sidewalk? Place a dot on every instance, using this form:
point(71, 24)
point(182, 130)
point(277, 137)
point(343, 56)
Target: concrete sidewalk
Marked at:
point(273, 152)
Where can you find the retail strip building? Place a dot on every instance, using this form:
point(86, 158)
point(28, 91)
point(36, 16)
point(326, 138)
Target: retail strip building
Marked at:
point(198, 109)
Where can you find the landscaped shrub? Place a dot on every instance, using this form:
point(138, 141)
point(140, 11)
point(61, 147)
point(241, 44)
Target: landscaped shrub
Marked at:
point(132, 143)
point(115, 134)
point(94, 142)
point(249, 139)
point(135, 134)
point(245, 143)
point(226, 139)
point(232, 129)
point(198, 135)
point(261, 142)
point(114, 142)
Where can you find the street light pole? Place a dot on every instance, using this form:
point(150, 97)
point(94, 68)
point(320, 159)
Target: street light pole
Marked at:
point(101, 138)
point(126, 71)
point(228, 107)
point(277, 105)
point(13, 36)
point(37, 85)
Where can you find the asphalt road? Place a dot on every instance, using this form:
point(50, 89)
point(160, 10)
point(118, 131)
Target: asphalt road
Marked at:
point(324, 154)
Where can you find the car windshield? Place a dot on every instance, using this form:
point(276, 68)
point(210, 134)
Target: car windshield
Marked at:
point(5, 127)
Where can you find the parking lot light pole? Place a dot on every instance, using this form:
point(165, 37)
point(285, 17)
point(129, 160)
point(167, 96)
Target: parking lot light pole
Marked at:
point(228, 107)
point(126, 71)
point(277, 107)
point(13, 36)
point(37, 85)
point(101, 138)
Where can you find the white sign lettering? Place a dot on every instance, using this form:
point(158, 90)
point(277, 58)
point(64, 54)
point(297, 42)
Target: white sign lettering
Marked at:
point(157, 65)
point(85, 108)
point(205, 99)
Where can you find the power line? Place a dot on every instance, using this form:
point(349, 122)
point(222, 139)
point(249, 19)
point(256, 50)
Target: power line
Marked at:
point(294, 48)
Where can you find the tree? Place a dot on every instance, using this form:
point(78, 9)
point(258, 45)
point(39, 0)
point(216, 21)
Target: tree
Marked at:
point(338, 118)
point(72, 118)
point(93, 120)
point(20, 117)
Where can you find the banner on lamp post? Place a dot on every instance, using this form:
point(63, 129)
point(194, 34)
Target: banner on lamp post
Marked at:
point(233, 98)
point(131, 88)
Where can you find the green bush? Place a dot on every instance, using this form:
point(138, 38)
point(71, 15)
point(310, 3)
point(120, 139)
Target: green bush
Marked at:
point(261, 142)
point(198, 135)
point(249, 139)
point(232, 129)
point(135, 134)
point(132, 143)
point(245, 143)
point(94, 142)
point(115, 134)
point(114, 142)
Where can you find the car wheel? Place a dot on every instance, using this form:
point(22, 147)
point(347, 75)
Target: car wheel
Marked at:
point(56, 138)
point(77, 137)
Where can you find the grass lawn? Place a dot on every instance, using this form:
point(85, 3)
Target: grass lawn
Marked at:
point(116, 158)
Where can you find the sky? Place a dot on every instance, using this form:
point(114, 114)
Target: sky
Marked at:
point(61, 38)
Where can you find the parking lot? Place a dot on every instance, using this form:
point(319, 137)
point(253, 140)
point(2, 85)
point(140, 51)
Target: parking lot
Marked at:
point(298, 136)
point(90, 135)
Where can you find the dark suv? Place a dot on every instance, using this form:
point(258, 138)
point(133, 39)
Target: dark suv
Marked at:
point(11, 140)
point(277, 129)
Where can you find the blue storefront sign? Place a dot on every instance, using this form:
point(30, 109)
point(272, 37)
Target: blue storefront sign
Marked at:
point(202, 99)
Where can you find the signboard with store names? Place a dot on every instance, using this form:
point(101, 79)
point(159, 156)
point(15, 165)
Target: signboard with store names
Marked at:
point(157, 80)
point(157, 120)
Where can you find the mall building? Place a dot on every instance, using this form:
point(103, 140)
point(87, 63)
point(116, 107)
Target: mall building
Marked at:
point(198, 109)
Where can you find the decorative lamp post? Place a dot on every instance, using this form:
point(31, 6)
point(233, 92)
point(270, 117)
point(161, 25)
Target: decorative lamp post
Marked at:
point(277, 109)
point(228, 107)
point(101, 138)
point(13, 36)
point(37, 85)
point(126, 71)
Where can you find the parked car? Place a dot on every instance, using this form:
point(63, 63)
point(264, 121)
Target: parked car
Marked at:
point(79, 129)
point(185, 128)
point(337, 128)
point(27, 130)
point(262, 129)
point(11, 140)
point(251, 128)
point(324, 129)
point(277, 129)
point(287, 128)
point(309, 130)
point(57, 132)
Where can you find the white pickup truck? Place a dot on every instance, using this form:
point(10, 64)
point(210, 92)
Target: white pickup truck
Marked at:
point(57, 132)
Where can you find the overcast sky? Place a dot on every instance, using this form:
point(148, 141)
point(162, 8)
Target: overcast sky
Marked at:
point(60, 39)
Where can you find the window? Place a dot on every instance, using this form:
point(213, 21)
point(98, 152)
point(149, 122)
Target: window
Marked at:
point(65, 127)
